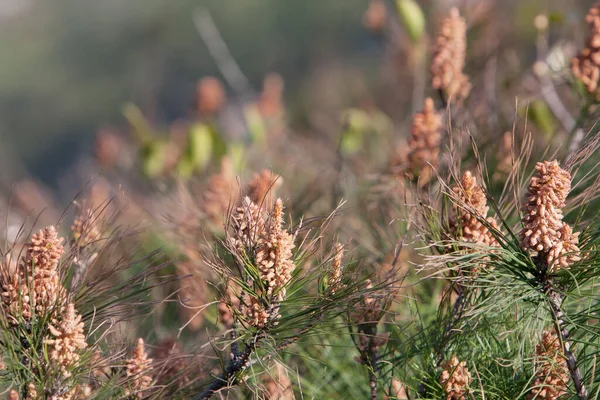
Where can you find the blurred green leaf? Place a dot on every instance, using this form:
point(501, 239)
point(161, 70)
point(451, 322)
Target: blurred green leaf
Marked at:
point(153, 158)
point(237, 152)
point(539, 113)
point(352, 141)
point(141, 128)
point(256, 124)
point(412, 18)
point(556, 17)
point(199, 150)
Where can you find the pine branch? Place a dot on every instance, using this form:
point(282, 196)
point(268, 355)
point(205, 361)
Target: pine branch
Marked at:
point(556, 299)
point(455, 314)
point(239, 362)
point(372, 362)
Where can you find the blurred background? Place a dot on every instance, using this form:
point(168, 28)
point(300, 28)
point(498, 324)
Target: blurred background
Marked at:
point(68, 67)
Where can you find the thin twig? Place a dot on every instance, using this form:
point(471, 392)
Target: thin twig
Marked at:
point(372, 363)
point(220, 52)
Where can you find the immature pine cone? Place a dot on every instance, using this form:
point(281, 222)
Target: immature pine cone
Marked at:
point(36, 282)
point(449, 57)
point(274, 255)
point(79, 392)
point(261, 236)
point(586, 66)
point(68, 339)
point(544, 233)
point(469, 212)
point(455, 379)
point(139, 371)
point(31, 392)
point(248, 226)
point(85, 228)
point(43, 253)
point(424, 142)
point(552, 373)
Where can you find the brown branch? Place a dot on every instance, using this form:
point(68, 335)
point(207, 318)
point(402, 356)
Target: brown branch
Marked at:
point(556, 299)
point(239, 362)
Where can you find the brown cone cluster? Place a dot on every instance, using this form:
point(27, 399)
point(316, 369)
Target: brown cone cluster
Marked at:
point(32, 393)
point(210, 95)
point(260, 236)
point(262, 188)
point(79, 392)
point(586, 66)
point(449, 50)
point(552, 374)
point(139, 371)
point(66, 340)
point(469, 211)
point(424, 142)
point(270, 102)
point(455, 379)
point(504, 158)
point(545, 234)
point(375, 16)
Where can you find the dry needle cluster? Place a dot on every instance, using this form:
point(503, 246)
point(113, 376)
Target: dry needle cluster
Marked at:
point(85, 228)
point(586, 66)
point(335, 277)
point(544, 233)
point(220, 193)
point(449, 52)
